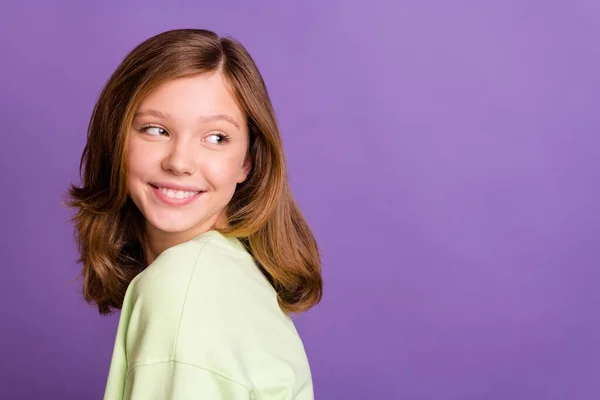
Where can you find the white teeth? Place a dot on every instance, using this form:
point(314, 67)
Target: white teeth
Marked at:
point(177, 194)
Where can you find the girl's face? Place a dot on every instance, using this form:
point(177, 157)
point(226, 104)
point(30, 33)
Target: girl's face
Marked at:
point(187, 152)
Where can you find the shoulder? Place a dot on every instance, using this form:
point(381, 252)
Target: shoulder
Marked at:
point(207, 274)
point(209, 301)
point(157, 297)
point(232, 323)
point(169, 271)
point(175, 265)
point(226, 286)
point(203, 260)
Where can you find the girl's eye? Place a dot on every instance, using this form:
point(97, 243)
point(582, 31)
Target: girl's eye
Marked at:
point(218, 138)
point(154, 130)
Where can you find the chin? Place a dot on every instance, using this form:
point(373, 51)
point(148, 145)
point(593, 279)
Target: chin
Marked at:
point(172, 222)
point(174, 226)
point(171, 228)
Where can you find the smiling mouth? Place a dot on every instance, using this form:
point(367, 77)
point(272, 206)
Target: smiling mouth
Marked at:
point(177, 194)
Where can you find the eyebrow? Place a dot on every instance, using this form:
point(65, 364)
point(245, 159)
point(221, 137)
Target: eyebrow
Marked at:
point(204, 118)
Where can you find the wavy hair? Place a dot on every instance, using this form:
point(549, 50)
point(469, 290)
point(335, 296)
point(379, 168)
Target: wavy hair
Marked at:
point(262, 213)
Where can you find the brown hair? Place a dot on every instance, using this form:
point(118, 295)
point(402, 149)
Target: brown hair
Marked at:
point(262, 212)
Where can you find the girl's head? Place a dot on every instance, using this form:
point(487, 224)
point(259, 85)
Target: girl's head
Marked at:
point(187, 150)
point(183, 139)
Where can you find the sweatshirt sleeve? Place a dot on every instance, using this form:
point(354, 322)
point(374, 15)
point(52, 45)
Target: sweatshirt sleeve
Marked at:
point(203, 322)
point(179, 381)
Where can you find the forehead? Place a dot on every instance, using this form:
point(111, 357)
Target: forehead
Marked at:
point(191, 97)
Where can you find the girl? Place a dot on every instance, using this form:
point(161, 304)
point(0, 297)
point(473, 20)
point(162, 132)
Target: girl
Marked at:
point(185, 222)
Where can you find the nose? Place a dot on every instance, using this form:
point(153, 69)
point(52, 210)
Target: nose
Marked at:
point(180, 160)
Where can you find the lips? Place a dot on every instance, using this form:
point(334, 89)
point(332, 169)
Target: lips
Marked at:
point(175, 186)
point(177, 194)
point(175, 197)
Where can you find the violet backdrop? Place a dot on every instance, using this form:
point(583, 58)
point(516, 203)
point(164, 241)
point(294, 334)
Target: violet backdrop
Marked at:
point(444, 152)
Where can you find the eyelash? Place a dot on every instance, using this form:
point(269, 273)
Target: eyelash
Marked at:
point(224, 137)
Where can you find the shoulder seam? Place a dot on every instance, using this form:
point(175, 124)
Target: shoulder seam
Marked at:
point(187, 289)
point(224, 244)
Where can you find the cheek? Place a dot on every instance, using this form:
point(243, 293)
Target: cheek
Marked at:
point(224, 172)
point(139, 160)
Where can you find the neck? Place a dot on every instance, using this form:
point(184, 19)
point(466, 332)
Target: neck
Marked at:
point(158, 241)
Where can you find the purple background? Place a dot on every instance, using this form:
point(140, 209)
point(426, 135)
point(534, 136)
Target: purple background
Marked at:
point(445, 153)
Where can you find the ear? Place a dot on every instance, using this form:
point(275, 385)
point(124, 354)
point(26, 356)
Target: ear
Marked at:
point(246, 168)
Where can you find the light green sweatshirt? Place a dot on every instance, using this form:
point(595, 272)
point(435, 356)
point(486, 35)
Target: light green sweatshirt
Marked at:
point(202, 322)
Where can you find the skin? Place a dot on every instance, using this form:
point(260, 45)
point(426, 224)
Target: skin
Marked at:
point(176, 138)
